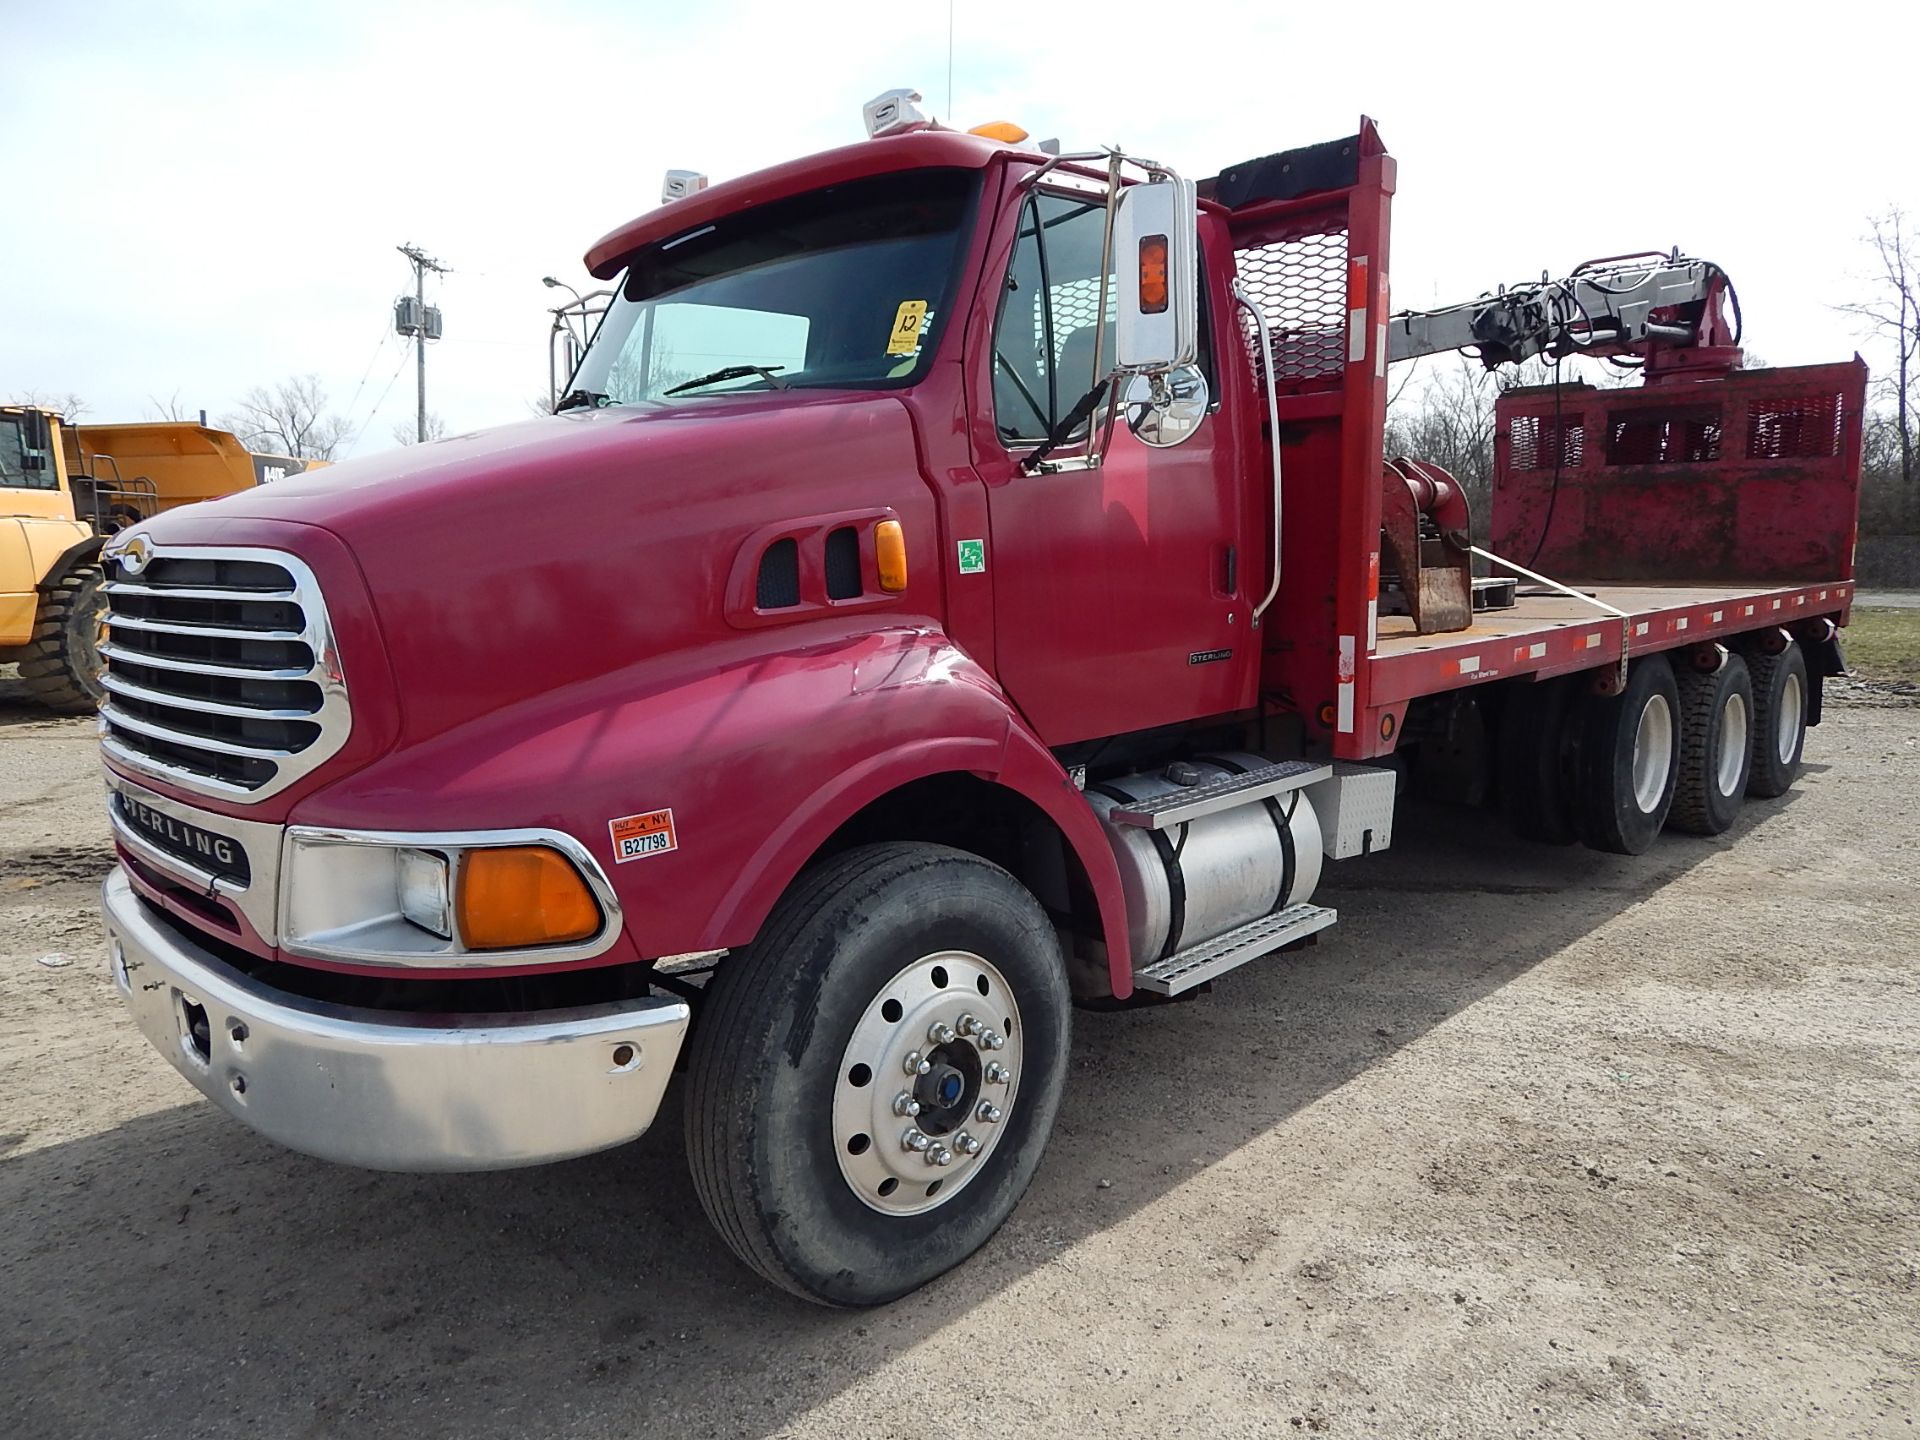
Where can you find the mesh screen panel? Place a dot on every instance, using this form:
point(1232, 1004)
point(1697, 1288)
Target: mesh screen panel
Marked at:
point(1301, 286)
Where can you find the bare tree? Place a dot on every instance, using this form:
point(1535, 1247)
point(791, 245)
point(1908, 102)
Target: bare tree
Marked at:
point(406, 431)
point(288, 419)
point(67, 405)
point(1449, 418)
point(1894, 315)
point(169, 408)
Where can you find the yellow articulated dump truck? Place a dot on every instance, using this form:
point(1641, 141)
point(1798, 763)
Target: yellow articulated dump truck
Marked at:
point(63, 490)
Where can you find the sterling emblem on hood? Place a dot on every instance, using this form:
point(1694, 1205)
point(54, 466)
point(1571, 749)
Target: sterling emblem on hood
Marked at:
point(130, 551)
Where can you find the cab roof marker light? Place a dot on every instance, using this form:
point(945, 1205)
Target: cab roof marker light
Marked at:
point(681, 183)
point(893, 111)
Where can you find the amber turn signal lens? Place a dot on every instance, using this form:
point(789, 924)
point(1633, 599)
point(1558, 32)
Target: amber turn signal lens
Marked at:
point(1153, 274)
point(890, 552)
point(519, 895)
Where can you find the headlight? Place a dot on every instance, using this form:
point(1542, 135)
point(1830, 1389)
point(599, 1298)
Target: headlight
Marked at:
point(422, 885)
point(476, 899)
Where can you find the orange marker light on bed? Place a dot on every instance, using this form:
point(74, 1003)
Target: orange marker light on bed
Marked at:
point(515, 895)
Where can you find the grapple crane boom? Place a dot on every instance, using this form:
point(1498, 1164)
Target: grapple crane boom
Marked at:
point(1667, 311)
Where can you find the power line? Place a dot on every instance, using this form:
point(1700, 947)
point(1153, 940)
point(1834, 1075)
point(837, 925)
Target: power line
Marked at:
point(375, 411)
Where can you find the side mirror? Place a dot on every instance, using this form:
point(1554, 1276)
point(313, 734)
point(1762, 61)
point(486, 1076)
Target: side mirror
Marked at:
point(36, 432)
point(1156, 243)
point(1166, 407)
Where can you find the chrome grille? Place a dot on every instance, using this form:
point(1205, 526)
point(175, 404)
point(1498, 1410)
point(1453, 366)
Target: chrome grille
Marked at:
point(221, 670)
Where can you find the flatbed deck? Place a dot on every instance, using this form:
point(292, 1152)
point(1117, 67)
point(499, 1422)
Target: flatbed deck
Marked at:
point(1546, 633)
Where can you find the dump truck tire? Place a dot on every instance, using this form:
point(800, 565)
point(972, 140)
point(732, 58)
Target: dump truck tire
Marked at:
point(872, 1081)
point(61, 667)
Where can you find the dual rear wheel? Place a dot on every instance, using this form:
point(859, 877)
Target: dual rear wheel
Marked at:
point(1674, 749)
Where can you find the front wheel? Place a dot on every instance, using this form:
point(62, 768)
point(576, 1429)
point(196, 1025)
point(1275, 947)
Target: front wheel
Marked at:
point(873, 1080)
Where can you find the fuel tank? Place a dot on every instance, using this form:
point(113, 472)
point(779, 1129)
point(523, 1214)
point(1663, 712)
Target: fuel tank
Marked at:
point(1193, 881)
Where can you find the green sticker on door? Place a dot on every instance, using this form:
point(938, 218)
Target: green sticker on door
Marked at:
point(973, 557)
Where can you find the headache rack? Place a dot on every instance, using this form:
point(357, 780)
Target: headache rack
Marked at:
point(221, 671)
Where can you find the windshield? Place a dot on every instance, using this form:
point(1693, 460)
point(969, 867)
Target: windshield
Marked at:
point(841, 287)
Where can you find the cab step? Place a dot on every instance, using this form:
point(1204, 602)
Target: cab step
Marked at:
point(1199, 963)
point(1197, 800)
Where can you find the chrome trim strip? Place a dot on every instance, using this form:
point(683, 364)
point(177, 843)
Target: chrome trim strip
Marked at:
point(334, 716)
point(199, 706)
point(193, 741)
point(200, 667)
point(390, 1089)
point(205, 784)
point(437, 954)
point(184, 592)
point(214, 632)
point(257, 900)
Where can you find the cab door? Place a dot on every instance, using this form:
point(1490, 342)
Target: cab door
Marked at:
point(1119, 588)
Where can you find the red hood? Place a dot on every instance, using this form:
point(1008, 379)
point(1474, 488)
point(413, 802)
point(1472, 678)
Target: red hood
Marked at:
point(513, 562)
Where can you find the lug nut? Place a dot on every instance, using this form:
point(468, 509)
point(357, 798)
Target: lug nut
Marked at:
point(914, 1139)
point(998, 1074)
point(940, 1033)
point(989, 1112)
point(966, 1144)
point(915, 1063)
point(939, 1155)
point(968, 1024)
point(989, 1039)
point(905, 1104)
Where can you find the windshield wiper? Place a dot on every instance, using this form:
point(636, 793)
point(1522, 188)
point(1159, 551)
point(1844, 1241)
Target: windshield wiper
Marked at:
point(732, 372)
point(578, 399)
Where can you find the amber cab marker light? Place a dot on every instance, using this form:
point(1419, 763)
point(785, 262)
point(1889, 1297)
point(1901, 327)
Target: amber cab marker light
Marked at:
point(1153, 274)
point(890, 551)
point(521, 895)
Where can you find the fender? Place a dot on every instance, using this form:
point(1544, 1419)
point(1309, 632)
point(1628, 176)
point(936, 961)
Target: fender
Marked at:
point(759, 758)
point(78, 553)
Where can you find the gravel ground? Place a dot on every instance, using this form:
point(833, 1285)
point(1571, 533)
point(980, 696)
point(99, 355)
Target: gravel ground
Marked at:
point(1538, 1142)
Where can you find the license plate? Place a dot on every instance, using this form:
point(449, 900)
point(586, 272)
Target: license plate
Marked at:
point(201, 848)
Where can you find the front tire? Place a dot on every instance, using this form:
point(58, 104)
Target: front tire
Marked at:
point(798, 1153)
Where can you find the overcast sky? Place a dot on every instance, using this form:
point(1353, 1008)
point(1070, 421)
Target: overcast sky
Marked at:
point(206, 196)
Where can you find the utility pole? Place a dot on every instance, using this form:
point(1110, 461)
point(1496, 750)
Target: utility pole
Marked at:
point(413, 316)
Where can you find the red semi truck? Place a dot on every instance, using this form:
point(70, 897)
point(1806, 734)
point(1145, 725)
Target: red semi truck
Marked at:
point(963, 581)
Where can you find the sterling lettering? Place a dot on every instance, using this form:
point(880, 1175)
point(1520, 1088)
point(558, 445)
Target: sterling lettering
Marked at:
point(185, 837)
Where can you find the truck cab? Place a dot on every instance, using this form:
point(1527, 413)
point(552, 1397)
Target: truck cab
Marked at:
point(949, 592)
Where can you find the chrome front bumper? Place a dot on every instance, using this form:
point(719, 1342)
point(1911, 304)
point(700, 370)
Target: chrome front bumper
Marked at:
point(384, 1089)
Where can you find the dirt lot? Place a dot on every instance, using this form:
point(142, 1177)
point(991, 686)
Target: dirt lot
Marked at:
point(1540, 1142)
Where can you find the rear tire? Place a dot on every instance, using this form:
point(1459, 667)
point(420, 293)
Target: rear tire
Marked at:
point(803, 1035)
point(1716, 747)
point(1779, 720)
point(1533, 761)
point(61, 667)
point(1625, 760)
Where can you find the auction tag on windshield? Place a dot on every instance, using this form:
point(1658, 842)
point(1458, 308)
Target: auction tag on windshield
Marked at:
point(907, 321)
point(635, 837)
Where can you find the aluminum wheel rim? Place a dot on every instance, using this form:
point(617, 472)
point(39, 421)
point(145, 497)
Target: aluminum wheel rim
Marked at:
point(903, 1149)
point(1652, 753)
point(1786, 725)
point(1733, 742)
